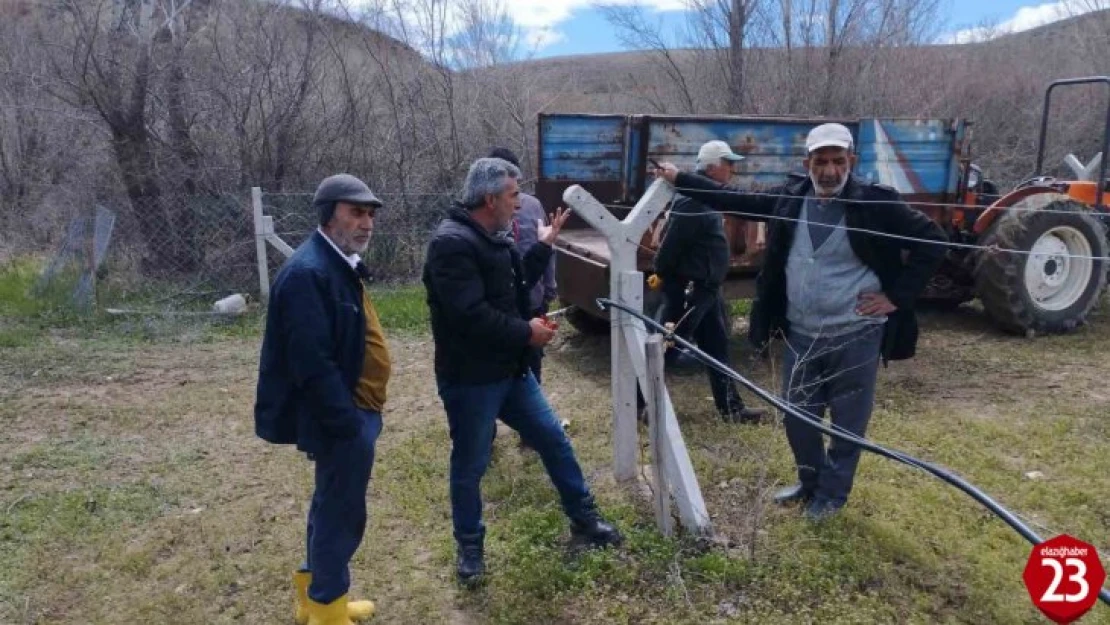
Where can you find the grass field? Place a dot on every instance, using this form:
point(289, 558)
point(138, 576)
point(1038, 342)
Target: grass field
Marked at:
point(133, 490)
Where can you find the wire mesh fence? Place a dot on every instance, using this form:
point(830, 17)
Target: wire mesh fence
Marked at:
point(166, 254)
point(401, 231)
point(179, 254)
point(179, 257)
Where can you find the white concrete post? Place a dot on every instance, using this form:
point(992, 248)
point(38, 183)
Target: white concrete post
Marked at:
point(656, 392)
point(625, 284)
point(678, 470)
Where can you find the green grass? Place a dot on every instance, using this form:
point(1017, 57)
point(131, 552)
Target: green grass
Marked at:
point(21, 299)
point(740, 307)
point(131, 486)
point(402, 309)
point(26, 315)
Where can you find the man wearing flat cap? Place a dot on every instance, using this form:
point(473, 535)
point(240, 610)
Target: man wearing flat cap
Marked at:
point(846, 260)
point(322, 382)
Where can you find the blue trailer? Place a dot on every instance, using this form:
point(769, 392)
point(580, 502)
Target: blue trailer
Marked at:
point(610, 155)
point(927, 160)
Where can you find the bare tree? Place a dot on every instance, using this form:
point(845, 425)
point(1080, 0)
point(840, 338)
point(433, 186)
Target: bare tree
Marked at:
point(634, 31)
point(725, 25)
point(111, 62)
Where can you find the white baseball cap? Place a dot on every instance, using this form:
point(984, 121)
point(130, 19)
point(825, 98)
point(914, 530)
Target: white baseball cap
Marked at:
point(713, 151)
point(829, 136)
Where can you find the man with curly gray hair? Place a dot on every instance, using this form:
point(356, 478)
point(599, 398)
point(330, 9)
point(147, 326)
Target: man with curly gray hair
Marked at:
point(478, 289)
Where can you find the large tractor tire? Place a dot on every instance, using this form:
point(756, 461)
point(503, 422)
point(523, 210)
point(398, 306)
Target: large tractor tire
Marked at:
point(1058, 277)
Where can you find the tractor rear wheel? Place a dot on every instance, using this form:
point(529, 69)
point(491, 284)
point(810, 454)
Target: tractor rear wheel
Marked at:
point(1058, 273)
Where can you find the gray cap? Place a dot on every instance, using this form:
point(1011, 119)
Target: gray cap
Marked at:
point(344, 188)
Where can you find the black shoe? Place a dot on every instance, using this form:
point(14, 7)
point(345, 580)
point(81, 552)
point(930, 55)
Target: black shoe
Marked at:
point(821, 509)
point(471, 562)
point(593, 529)
point(793, 494)
point(746, 416)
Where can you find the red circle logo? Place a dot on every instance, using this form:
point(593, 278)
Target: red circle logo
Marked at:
point(1064, 576)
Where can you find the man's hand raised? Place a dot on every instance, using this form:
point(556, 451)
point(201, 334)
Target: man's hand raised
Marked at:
point(548, 234)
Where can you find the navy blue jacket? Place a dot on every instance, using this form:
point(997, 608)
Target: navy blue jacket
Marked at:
point(312, 351)
point(479, 297)
point(870, 207)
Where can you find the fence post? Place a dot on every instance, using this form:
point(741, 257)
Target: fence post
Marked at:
point(260, 244)
point(625, 284)
point(656, 401)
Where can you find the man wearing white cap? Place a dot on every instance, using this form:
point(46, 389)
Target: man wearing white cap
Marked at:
point(837, 291)
point(695, 251)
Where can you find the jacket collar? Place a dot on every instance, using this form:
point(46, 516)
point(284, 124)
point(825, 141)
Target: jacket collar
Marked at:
point(798, 187)
point(459, 214)
point(325, 249)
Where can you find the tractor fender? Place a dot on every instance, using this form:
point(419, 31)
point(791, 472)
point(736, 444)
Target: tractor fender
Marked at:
point(1001, 204)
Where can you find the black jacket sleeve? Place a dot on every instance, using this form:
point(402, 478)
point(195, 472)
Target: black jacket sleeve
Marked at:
point(535, 262)
point(682, 229)
point(309, 342)
point(721, 197)
point(456, 280)
point(925, 256)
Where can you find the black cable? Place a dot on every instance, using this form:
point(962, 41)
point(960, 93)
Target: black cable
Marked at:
point(789, 409)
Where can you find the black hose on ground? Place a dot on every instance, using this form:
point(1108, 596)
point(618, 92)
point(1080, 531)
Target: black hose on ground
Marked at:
point(997, 509)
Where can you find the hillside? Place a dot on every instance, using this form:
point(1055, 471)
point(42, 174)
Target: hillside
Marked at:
point(231, 95)
point(1054, 44)
point(998, 84)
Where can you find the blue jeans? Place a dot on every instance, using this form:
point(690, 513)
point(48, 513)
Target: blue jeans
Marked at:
point(520, 404)
point(337, 518)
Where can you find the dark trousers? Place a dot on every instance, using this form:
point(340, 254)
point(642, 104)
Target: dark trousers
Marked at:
point(535, 365)
point(337, 517)
point(519, 402)
point(703, 320)
point(839, 374)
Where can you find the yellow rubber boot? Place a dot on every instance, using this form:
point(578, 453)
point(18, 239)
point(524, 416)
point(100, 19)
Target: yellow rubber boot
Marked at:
point(356, 610)
point(334, 613)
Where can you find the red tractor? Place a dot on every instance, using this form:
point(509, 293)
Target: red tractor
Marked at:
point(1056, 272)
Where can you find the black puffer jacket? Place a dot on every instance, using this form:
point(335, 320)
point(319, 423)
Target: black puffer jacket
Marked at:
point(695, 246)
point(871, 207)
point(478, 294)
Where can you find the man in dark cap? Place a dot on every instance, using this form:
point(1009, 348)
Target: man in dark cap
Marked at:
point(322, 386)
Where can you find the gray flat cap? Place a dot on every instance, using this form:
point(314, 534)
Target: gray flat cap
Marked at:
point(344, 188)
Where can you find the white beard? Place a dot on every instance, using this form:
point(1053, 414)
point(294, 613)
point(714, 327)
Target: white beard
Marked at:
point(823, 190)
